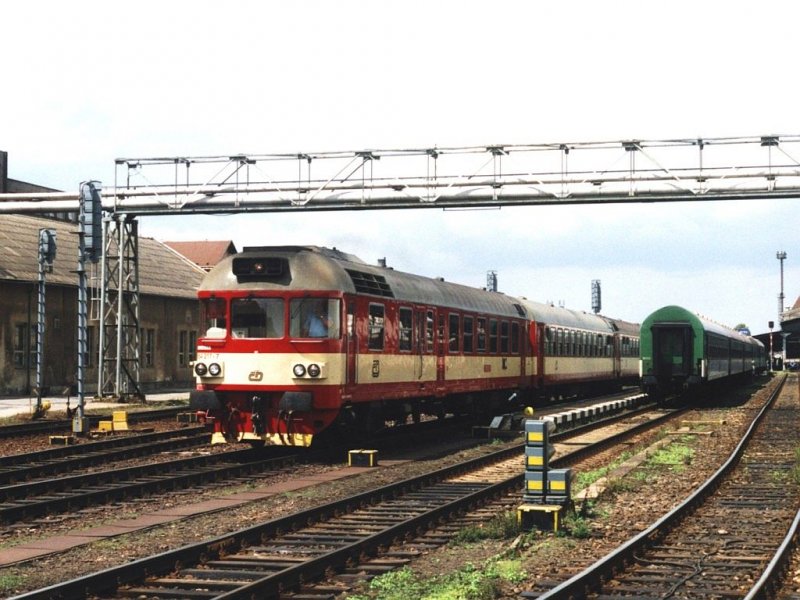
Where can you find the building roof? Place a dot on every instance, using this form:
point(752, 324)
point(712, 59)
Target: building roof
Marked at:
point(205, 254)
point(162, 272)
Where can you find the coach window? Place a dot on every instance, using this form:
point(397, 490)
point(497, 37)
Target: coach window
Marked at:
point(454, 333)
point(504, 337)
point(404, 335)
point(376, 326)
point(548, 341)
point(481, 334)
point(429, 332)
point(493, 336)
point(514, 338)
point(468, 332)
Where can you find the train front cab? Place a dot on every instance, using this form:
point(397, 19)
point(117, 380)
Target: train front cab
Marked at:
point(673, 362)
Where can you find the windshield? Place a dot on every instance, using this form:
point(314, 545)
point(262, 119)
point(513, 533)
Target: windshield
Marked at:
point(314, 318)
point(257, 318)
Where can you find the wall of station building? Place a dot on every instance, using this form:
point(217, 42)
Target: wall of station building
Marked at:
point(168, 334)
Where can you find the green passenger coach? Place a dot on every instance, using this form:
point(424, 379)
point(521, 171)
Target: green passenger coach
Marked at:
point(681, 350)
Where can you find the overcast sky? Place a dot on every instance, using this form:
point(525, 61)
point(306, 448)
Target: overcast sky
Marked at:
point(87, 82)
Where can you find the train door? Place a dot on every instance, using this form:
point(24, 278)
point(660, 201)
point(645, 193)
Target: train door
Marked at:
point(351, 344)
point(538, 338)
point(421, 342)
point(672, 352)
point(440, 345)
point(617, 356)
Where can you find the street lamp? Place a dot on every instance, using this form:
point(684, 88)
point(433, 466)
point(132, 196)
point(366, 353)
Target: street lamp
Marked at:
point(781, 256)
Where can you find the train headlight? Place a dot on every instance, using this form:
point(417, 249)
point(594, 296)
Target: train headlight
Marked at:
point(214, 369)
point(314, 370)
point(298, 370)
point(200, 369)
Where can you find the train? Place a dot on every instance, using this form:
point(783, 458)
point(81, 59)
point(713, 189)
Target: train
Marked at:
point(681, 352)
point(307, 341)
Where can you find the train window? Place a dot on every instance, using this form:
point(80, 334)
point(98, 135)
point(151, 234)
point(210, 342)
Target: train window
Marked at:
point(213, 311)
point(468, 333)
point(514, 338)
point(504, 337)
point(481, 334)
point(257, 317)
point(429, 332)
point(454, 332)
point(314, 318)
point(376, 326)
point(493, 336)
point(548, 344)
point(404, 334)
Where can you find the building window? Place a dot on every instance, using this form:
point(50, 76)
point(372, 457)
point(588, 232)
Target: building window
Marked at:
point(192, 345)
point(404, 341)
point(183, 341)
point(376, 326)
point(148, 341)
point(21, 345)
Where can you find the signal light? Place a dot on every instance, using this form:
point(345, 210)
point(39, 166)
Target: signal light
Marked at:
point(214, 370)
point(298, 370)
point(200, 369)
point(313, 370)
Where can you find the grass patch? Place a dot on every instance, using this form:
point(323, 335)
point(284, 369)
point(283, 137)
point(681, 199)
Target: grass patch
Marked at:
point(584, 479)
point(676, 455)
point(468, 583)
point(9, 583)
point(795, 474)
point(499, 527)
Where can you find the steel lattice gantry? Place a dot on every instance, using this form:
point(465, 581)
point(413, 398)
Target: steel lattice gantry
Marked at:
point(120, 331)
point(627, 171)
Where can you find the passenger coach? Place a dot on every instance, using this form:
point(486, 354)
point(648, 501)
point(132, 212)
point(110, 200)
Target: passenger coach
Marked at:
point(681, 350)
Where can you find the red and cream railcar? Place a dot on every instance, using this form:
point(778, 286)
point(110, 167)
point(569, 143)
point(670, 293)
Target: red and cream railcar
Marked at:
point(302, 339)
point(578, 353)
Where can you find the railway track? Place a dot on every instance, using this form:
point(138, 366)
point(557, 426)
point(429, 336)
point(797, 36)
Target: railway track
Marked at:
point(280, 554)
point(52, 496)
point(727, 540)
point(61, 460)
point(62, 425)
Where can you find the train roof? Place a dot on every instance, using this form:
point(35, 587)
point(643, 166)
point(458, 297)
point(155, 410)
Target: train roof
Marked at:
point(565, 317)
point(678, 314)
point(316, 268)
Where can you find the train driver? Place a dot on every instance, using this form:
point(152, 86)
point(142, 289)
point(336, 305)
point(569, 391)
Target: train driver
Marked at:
point(316, 323)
